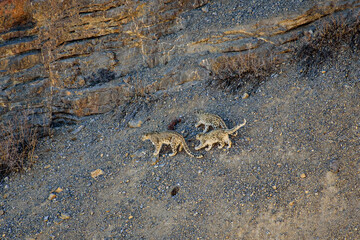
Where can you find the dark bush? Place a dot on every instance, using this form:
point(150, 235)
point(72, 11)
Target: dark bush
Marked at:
point(17, 144)
point(332, 36)
point(242, 73)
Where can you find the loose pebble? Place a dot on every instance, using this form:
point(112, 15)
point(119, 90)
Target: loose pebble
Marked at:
point(135, 123)
point(97, 173)
point(245, 96)
point(205, 9)
point(64, 216)
point(51, 196)
point(334, 165)
point(78, 129)
point(139, 153)
point(154, 161)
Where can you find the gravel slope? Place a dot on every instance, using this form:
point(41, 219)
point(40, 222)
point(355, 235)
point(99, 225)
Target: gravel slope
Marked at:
point(293, 171)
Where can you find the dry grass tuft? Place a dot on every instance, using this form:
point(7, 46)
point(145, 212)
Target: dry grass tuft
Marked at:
point(242, 73)
point(18, 143)
point(333, 36)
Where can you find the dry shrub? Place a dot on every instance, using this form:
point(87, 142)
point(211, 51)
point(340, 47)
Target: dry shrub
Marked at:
point(242, 73)
point(333, 36)
point(17, 145)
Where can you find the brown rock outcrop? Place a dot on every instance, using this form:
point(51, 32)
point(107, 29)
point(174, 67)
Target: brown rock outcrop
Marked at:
point(67, 59)
point(13, 13)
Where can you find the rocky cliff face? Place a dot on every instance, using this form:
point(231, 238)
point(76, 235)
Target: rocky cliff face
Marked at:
point(66, 59)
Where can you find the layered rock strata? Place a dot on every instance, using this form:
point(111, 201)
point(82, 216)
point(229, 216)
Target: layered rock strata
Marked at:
point(63, 59)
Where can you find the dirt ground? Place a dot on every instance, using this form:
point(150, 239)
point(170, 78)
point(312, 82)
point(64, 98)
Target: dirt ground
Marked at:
point(293, 171)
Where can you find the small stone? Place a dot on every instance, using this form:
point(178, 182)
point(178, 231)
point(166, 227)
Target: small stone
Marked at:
point(97, 173)
point(46, 218)
point(2, 212)
point(154, 161)
point(78, 129)
point(6, 187)
point(271, 129)
point(205, 9)
point(64, 216)
point(47, 166)
point(334, 165)
point(245, 96)
point(135, 123)
point(274, 187)
point(59, 190)
point(139, 153)
point(274, 75)
point(131, 217)
point(51, 196)
point(291, 203)
point(303, 175)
